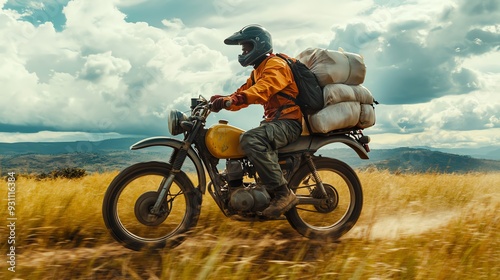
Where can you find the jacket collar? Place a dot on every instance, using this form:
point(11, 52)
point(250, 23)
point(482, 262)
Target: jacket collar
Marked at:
point(260, 60)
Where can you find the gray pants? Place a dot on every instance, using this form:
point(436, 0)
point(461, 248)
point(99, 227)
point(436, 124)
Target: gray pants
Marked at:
point(261, 144)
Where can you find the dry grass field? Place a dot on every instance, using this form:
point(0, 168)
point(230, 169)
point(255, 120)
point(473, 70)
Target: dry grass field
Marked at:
point(413, 226)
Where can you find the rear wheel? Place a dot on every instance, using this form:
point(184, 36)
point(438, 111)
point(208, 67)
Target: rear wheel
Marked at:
point(329, 216)
point(131, 196)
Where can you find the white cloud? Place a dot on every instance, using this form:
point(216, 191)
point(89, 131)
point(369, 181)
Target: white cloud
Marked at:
point(103, 74)
point(123, 76)
point(102, 66)
point(418, 48)
point(462, 121)
point(437, 139)
point(126, 3)
point(474, 111)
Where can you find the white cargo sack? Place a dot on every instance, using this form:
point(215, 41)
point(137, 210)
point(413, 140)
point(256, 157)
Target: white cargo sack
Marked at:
point(335, 116)
point(345, 107)
point(367, 116)
point(335, 93)
point(334, 67)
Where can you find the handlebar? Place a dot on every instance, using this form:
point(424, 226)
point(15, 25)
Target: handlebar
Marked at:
point(201, 103)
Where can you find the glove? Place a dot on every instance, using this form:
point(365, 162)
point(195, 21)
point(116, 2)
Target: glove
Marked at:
point(238, 99)
point(219, 103)
point(214, 97)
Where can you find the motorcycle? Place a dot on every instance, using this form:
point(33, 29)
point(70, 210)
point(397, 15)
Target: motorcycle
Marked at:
point(155, 204)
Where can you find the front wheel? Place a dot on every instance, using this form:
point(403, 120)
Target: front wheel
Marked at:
point(131, 196)
point(331, 216)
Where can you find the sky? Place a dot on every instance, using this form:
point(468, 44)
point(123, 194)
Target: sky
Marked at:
point(99, 69)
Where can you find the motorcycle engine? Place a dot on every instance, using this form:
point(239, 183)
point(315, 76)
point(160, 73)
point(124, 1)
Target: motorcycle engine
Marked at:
point(251, 198)
point(244, 197)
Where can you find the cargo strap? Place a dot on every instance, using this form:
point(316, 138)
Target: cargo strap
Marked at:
point(305, 116)
point(287, 96)
point(282, 94)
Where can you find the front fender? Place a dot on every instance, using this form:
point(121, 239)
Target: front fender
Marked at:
point(176, 144)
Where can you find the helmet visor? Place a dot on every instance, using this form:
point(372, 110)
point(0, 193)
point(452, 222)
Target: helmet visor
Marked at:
point(234, 39)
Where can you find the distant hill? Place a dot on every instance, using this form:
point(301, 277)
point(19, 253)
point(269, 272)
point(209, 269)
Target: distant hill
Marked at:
point(415, 160)
point(92, 162)
point(423, 160)
point(114, 154)
point(107, 155)
point(490, 152)
point(47, 148)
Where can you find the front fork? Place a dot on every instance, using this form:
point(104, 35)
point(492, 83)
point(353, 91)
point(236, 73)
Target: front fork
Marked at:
point(176, 160)
point(163, 190)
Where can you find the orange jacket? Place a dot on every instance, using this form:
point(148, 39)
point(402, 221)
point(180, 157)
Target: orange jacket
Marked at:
point(273, 75)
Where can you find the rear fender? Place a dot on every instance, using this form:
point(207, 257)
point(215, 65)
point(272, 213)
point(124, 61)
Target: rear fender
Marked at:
point(318, 142)
point(176, 144)
point(314, 143)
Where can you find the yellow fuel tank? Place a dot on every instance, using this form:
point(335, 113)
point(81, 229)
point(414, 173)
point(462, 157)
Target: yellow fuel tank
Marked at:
point(223, 141)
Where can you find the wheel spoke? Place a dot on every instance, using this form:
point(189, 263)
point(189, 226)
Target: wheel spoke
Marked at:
point(172, 197)
point(306, 210)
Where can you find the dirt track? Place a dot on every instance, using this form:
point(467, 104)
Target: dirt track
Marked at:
point(385, 228)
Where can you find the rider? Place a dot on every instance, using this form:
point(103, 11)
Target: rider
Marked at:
point(269, 84)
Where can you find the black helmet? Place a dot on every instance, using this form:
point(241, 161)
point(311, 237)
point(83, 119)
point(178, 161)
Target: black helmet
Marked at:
point(258, 36)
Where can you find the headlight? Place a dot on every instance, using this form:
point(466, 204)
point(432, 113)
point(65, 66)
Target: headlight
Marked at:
point(174, 122)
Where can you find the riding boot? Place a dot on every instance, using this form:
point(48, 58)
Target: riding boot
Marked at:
point(283, 200)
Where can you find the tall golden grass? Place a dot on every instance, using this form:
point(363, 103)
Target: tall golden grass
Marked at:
point(413, 226)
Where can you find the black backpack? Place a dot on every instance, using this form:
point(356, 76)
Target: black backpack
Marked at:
point(310, 97)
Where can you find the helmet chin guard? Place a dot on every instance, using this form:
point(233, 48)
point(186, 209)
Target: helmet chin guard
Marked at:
point(258, 36)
